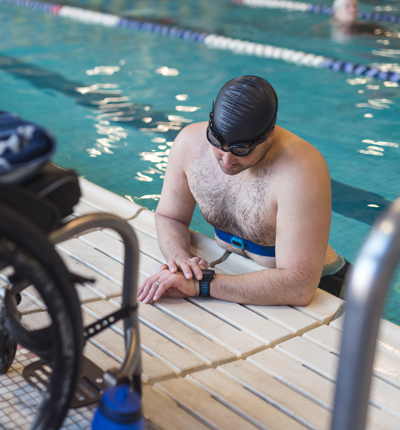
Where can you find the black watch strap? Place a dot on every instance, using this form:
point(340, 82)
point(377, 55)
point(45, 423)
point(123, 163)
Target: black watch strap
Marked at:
point(204, 283)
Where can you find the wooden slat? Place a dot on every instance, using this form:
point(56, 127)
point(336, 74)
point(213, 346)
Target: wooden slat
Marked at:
point(29, 305)
point(385, 366)
point(309, 383)
point(165, 413)
point(278, 394)
point(107, 201)
point(177, 358)
point(102, 286)
point(83, 208)
point(148, 266)
point(204, 348)
point(99, 357)
point(323, 307)
point(242, 401)
point(388, 335)
point(245, 320)
point(154, 370)
point(210, 326)
point(37, 320)
point(389, 338)
point(202, 405)
point(315, 358)
point(144, 222)
point(106, 243)
point(94, 259)
point(287, 317)
point(383, 395)
point(147, 244)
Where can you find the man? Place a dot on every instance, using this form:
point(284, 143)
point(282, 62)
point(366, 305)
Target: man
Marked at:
point(345, 11)
point(265, 190)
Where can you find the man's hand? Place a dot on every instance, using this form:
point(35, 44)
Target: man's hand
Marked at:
point(189, 267)
point(167, 283)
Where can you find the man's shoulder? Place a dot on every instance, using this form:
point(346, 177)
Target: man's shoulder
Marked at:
point(293, 145)
point(188, 145)
point(193, 131)
point(299, 156)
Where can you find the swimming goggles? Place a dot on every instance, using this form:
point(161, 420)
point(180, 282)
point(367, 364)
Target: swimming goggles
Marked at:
point(239, 149)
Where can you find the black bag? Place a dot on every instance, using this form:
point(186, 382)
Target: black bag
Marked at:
point(45, 199)
point(29, 183)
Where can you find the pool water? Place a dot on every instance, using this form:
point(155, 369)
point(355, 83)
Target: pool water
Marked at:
point(116, 98)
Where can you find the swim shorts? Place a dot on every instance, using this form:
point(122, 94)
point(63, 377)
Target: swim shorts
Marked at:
point(335, 283)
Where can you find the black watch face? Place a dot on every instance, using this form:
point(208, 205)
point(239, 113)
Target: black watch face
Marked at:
point(209, 274)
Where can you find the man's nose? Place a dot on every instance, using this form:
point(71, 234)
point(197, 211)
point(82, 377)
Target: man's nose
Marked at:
point(228, 159)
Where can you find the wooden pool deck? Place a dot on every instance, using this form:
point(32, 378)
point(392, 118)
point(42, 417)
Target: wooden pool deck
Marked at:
point(207, 364)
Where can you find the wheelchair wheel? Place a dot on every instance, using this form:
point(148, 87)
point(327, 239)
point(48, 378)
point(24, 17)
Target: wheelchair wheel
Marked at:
point(28, 259)
point(8, 349)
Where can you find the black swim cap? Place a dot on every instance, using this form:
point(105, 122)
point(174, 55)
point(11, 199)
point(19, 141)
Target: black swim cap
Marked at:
point(245, 108)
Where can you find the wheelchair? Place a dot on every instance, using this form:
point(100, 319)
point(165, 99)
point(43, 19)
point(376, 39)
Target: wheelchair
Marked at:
point(35, 216)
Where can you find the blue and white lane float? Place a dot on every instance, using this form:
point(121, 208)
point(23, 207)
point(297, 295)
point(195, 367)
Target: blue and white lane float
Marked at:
point(313, 8)
point(213, 41)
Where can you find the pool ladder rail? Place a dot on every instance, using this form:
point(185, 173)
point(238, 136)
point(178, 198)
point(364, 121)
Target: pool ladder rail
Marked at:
point(368, 283)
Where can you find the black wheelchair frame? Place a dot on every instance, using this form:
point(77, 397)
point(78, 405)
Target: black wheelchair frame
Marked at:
point(28, 257)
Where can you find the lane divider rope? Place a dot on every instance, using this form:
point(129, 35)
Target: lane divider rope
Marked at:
point(213, 41)
point(313, 8)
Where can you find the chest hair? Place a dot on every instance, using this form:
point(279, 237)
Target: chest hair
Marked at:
point(234, 204)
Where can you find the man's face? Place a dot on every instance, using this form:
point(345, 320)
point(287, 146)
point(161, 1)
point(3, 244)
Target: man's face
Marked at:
point(346, 11)
point(232, 165)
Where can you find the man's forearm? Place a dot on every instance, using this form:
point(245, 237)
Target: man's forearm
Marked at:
point(266, 287)
point(173, 238)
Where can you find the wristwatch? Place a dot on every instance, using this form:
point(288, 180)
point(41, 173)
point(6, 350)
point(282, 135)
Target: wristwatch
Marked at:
point(204, 283)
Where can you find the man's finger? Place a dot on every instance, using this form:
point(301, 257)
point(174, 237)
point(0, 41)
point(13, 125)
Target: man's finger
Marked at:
point(164, 267)
point(172, 266)
point(163, 287)
point(203, 264)
point(186, 270)
point(150, 294)
point(196, 269)
point(145, 289)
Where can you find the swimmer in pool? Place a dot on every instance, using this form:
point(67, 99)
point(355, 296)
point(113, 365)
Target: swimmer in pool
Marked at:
point(267, 193)
point(345, 23)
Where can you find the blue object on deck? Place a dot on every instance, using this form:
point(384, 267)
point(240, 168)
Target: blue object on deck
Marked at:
point(119, 409)
point(24, 148)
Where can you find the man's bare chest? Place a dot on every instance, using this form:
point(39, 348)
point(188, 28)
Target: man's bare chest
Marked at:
point(241, 207)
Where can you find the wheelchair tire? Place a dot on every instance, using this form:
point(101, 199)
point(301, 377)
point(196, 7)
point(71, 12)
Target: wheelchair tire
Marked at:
point(8, 350)
point(25, 249)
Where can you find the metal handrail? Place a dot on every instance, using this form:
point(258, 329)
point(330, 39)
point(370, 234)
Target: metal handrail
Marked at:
point(368, 283)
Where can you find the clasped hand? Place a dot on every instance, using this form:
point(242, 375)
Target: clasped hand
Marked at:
point(166, 283)
point(169, 281)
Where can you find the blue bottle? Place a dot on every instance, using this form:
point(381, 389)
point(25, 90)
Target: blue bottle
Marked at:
point(119, 409)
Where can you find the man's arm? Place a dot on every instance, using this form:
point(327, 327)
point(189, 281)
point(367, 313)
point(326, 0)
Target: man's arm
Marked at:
point(175, 210)
point(302, 231)
point(303, 222)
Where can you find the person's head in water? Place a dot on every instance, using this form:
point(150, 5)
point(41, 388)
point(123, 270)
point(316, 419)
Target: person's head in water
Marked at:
point(242, 118)
point(345, 11)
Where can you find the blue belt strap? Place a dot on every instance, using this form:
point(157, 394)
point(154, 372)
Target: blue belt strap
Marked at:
point(238, 242)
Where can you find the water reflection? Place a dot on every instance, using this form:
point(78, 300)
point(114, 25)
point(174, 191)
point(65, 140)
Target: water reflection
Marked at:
point(379, 104)
point(166, 71)
point(103, 70)
point(375, 147)
point(114, 111)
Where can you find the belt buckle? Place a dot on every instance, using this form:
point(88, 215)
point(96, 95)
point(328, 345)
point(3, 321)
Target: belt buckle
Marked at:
point(238, 242)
